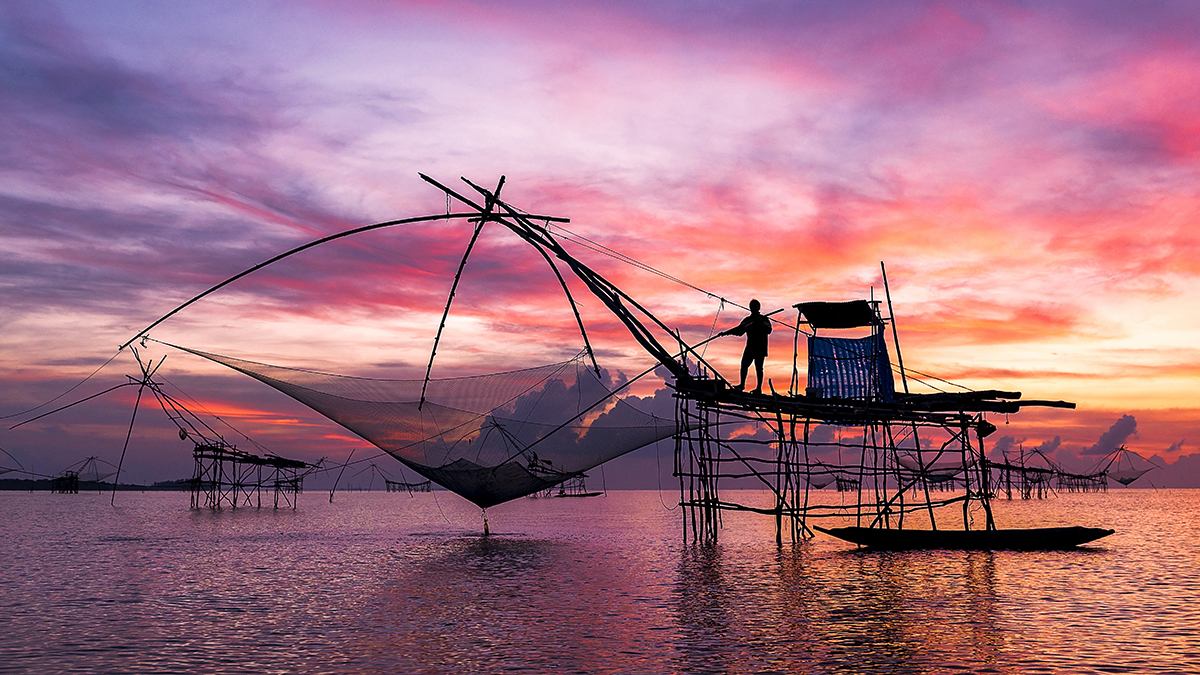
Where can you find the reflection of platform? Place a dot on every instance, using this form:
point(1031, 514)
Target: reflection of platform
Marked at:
point(1035, 539)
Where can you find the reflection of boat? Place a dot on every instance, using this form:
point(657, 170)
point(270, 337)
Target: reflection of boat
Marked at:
point(1034, 539)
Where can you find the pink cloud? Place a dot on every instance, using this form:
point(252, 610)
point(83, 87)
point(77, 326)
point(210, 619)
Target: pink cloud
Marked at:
point(1151, 99)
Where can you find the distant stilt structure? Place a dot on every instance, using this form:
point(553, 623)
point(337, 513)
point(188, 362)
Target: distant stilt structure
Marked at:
point(846, 484)
point(65, 483)
point(576, 486)
point(410, 488)
point(1034, 475)
point(225, 476)
point(568, 484)
point(82, 473)
point(1076, 482)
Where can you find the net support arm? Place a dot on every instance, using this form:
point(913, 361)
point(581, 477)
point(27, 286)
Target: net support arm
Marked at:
point(587, 345)
point(608, 293)
point(454, 287)
point(491, 201)
point(298, 249)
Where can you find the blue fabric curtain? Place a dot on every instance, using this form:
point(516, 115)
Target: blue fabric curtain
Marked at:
point(851, 367)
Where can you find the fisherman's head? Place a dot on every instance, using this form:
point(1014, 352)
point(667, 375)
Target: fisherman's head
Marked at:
point(755, 306)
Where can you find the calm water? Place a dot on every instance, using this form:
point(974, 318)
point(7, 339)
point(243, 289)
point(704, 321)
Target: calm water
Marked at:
point(379, 582)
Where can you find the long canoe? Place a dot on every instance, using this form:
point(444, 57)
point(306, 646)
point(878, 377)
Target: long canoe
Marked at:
point(1034, 539)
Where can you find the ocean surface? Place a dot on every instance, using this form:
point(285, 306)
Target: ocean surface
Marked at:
point(386, 582)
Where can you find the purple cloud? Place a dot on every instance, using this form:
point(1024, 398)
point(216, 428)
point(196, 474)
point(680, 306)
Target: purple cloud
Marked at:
point(1116, 435)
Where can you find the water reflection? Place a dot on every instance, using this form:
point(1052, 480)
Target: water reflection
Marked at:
point(917, 611)
point(463, 603)
point(486, 604)
point(704, 604)
point(839, 612)
point(380, 585)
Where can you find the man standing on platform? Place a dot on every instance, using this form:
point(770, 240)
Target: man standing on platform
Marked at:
point(756, 328)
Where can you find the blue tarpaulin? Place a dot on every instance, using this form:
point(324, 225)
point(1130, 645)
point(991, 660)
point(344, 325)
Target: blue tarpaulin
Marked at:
point(850, 368)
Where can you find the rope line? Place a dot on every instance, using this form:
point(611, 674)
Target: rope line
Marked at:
point(77, 385)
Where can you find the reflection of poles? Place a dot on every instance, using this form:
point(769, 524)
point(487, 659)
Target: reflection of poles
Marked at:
point(704, 604)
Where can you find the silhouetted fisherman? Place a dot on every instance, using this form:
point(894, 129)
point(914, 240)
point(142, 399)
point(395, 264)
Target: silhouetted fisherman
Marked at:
point(756, 328)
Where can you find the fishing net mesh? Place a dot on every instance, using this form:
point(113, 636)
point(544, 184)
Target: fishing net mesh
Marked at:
point(489, 438)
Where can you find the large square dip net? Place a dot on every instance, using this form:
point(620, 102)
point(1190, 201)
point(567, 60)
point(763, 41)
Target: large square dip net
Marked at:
point(489, 438)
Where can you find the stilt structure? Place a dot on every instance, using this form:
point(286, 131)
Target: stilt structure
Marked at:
point(1032, 475)
point(65, 483)
point(575, 486)
point(886, 452)
point(223, 475)
point(227, 477)
point(86, 472)
point(1035, 476)
point(397, 486)
point(567, 484)
point(1078, 482)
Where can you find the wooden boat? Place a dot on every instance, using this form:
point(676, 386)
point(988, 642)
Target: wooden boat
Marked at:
point(1033, 539)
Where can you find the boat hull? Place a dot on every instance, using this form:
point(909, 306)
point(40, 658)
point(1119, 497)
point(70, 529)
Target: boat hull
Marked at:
point(1033, 539)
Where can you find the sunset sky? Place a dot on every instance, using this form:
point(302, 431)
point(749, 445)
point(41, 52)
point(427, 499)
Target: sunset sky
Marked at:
point(1029, 172)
